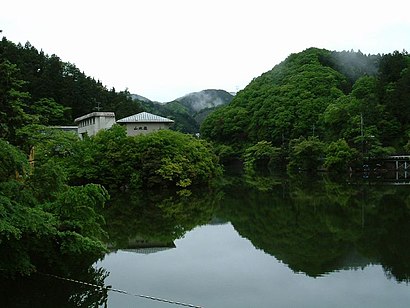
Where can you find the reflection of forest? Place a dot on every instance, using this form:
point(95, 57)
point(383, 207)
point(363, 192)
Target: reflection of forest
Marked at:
point(136, 221)
point(315, 226)
point(318, 227)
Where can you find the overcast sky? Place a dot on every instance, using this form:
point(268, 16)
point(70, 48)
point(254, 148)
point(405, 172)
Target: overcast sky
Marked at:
point(163, 49)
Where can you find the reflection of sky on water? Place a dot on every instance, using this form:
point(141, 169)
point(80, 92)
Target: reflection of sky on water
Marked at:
point(213, 266)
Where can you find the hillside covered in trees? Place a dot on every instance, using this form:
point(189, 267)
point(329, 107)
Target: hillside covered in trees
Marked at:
point(327, 107)
point(50, 84)
point(189, 111)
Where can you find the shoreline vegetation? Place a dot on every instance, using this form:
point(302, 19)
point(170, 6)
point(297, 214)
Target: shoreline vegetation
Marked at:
point(51, 211)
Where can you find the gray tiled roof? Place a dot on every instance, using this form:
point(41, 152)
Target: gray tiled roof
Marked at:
point(144, 117)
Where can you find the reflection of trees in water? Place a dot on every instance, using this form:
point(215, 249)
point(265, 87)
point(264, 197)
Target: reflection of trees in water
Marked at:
point(44, 291)
point(387, 234)
point(149, 218)
point(157, 218)
point(318, 227)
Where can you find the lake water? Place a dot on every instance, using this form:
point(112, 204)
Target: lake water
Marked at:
point(214, 266)
point(265, 242)
point(257, 241)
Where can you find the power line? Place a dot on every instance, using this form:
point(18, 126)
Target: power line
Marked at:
point(109, 288)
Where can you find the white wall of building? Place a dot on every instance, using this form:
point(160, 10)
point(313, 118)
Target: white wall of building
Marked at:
point(93, 122)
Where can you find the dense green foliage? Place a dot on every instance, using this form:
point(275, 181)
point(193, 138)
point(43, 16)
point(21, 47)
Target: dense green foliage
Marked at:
point(159, 159)
point(45, 224)
point(13, 102)
point(305, 154)
point(43, 221)
point(333, 96)
point(261, 154)
point(339, 156)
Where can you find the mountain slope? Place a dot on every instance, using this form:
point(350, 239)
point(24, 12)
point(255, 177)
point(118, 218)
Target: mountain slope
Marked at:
point(184, 122)
point(188, 111)
point(48, 77)
point(323, 94)
point(198, 101)
point(282, 103)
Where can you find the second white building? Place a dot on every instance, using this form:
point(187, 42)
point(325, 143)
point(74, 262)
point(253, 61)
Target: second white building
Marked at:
point(144, 122)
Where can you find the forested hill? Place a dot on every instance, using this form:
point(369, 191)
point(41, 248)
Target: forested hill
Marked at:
point(52, 84)
point(205, 99)
point(188, 111)
point(362, 100)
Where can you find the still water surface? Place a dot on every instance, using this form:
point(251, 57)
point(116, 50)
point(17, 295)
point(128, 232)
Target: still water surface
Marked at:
point(265, 242)
point(256, 241)
point(215, 267)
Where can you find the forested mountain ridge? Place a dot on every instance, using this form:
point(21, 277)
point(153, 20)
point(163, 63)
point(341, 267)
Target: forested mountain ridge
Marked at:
point(346, 97)
point(183, 120)
point(210, 98)
point(140, 98)
point(188, 111)
point(50, 82)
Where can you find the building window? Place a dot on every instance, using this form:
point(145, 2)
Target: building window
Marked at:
point(145, 128)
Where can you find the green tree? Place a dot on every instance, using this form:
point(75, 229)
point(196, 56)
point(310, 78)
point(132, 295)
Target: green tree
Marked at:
point(13, 102)
point(306, 154)
point(49, 112)
point(11, 161)
point(170, 158)
point(261, 155)
point(339, 118)
point(164, 158)
point(339, 156)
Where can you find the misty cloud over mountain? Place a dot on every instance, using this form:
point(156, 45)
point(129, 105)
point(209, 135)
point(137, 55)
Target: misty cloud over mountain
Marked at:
point(205, 99)
point(188, 111)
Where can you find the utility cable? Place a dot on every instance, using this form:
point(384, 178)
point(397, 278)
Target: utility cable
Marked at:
point(109, 288)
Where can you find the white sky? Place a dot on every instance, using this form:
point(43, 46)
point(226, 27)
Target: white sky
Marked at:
point(164, 49)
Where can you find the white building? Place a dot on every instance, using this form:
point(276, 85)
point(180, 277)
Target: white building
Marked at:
point(144, 122)
point(91, 123)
